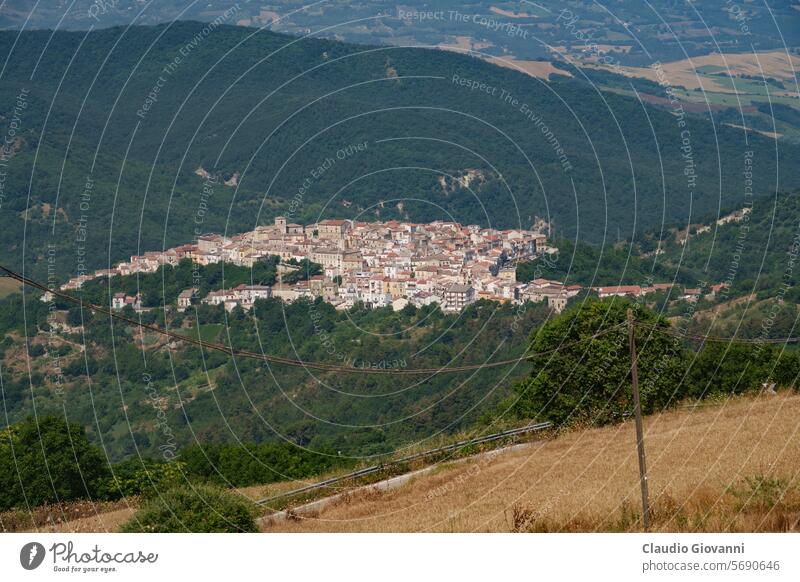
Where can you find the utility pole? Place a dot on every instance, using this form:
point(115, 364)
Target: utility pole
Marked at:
point(637, 408)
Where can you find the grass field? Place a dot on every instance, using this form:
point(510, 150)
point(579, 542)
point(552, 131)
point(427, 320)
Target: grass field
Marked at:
point(733, 467)
point(8, 286)
point(539, 69)
point(721, 73)
point(75, 516)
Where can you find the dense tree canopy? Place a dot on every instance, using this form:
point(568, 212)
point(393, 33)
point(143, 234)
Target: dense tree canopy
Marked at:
point(728, 369)
point(250, 464)
point(260, 105)
point(48, 460)
point(577, 378)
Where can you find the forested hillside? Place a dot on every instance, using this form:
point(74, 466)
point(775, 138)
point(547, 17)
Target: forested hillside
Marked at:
point(754, 252)
point(142, 393)
point(111, 128)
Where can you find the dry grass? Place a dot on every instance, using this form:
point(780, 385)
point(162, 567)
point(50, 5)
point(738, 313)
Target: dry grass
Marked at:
point(108, 522)
point(9, 286)
point(756, 504)
point(539, 69)
point(464, 44)
point(76, 516)
point(684, 73)
point(256, 492)
point(725, 468)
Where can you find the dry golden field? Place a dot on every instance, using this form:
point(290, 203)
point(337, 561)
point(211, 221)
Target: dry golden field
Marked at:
point(510, 14)
point(732, 467)
point(8, 286)
point(72, 517)
point(464, 44)
point(693, 73)
point(539, 69)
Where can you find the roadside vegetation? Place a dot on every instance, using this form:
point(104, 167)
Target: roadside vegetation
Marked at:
point(50, 462)
point(196, 509)
point(579, 376)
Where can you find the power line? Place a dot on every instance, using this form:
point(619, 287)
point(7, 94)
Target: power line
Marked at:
point(712, 338)
point(327, 367)
point(290, 361)
point(382, 466)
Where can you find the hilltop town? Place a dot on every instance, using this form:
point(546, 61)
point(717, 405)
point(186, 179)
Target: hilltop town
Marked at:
point(378, 264)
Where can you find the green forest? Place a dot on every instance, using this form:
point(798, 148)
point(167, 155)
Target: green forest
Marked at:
point(111, 139)
point(140, 393)
point(756, 254)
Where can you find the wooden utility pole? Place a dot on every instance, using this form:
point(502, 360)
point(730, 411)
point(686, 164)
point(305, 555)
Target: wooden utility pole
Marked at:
point(637, 409)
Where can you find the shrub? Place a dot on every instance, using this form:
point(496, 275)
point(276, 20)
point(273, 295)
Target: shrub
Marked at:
point(243, 465)
point(202, 508)
point(576, 377)
point(36, 350)
point(722, 369)
point(53, 459)
point(250, 464)
point(146, 477)
point(760, 493)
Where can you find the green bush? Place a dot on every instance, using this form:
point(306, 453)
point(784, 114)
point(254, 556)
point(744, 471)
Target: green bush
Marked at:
point(146, 477)
point(36, 350)
point(53, 460)
point(249, 464)
point(724, 369)
point(201, 508)
point(787, 370)
point(577, 378)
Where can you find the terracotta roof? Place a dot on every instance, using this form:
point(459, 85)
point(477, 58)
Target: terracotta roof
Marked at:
point(620, 289)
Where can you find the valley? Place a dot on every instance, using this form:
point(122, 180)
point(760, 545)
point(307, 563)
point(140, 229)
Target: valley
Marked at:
point(496, 266)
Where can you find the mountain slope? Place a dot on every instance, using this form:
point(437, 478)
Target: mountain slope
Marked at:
point(135, 112)
point(140, 394)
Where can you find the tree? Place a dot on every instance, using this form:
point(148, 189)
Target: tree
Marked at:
point(722, 368)
point(198, 508)
point(76, 316)
point(146, 477)
point(49, 460)
point(577, 378)
point(241, 465)
point(787, 369)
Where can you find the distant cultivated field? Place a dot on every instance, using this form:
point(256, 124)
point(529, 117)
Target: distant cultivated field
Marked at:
point(540, 69)
point(721, 73)
point(733, 467)
point(510, 14)
point(464, 44)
